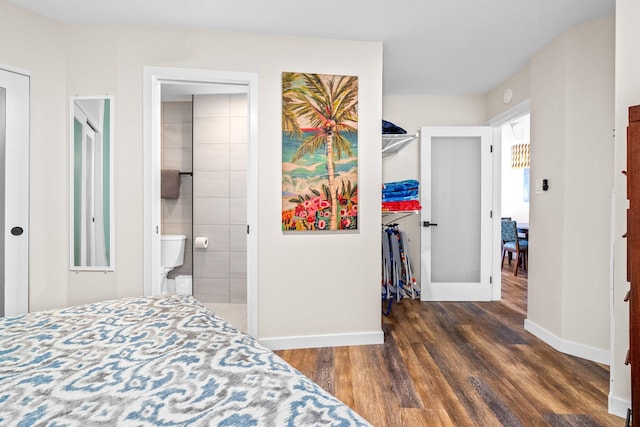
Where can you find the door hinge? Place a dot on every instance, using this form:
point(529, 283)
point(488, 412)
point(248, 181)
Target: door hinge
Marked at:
point(490, 214)
point(490, 280)
point(247, 228)
point(491, 148)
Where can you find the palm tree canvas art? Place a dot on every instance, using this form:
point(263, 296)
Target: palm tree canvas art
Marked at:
point(319, 152)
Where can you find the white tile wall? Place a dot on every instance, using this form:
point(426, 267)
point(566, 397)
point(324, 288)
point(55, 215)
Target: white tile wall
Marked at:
point(210, 264)
point(211, 156)
point(211, 183)
point(238, 184)
point(177, 153)
point(238, 157)
point(220, 197)
point(211, 289)
point(209, 137)
point(211, 210)
point(210, 129)
point(212, 106)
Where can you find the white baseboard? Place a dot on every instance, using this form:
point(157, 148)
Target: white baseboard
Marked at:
point(568, 347)
point(618, 406)
point(315, 341)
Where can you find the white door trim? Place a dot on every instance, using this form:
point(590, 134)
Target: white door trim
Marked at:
point(153, 78)
point(484, 290)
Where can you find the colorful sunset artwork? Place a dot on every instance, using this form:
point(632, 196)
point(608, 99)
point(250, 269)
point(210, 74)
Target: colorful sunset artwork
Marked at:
point(319, 152)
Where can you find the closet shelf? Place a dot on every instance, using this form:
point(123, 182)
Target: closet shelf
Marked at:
point(399, 212)
point(392, 143)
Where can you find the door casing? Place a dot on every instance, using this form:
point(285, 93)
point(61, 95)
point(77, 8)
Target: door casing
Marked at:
point(154, 77)
point(484, 288)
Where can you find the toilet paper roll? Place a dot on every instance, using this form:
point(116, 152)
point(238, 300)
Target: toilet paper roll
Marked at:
point(201, 243)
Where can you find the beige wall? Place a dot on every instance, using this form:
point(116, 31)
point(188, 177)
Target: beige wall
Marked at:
point(571, 90)
point(571, 146)
point(36, 45)
point(519, 84)
point(627, 93)
point(308, 285)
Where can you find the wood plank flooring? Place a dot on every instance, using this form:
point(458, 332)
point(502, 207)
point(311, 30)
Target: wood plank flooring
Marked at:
point(462, 364)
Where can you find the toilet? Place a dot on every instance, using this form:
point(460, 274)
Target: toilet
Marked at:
point(172, 255)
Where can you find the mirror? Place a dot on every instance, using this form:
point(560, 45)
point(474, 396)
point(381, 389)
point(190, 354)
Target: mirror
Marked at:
point(91, 178)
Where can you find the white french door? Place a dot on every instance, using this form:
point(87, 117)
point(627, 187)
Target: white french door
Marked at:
point(14, 193)
point(456, 197)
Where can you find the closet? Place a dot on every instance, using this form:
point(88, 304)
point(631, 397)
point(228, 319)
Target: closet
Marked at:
point(633, 255)
point(400, 199)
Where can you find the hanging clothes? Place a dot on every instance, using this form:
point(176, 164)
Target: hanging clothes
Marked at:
point(397, 269)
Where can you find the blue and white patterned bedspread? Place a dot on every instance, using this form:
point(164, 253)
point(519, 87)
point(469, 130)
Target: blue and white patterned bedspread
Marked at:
point(150, 361)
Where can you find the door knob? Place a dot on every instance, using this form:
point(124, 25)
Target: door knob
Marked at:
point(16, 231)
point(428, 224)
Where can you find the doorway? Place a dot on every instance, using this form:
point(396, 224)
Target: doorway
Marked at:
point(502, 161)
point(514, 178)
point(515, 169)
point(157, 80)
point(14, 192)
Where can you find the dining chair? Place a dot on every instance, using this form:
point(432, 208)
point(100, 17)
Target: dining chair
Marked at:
point(512, 244)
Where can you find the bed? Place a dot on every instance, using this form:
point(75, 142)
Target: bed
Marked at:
point(151, 361)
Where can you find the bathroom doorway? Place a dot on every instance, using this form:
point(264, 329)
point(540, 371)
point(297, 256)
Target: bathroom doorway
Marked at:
point(204, 139)
point(218, 189)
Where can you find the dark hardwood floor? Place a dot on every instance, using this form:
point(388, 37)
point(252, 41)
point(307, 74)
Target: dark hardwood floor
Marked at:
point(462, 364)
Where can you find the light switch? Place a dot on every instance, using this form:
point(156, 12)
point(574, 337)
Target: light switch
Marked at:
point(538, 185)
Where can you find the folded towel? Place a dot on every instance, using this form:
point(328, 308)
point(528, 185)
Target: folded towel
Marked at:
point(400, 193)
point(410, 205)
point(170, 183)
point(400, 185)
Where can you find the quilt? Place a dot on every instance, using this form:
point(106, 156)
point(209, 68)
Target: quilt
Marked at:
point(151, 361)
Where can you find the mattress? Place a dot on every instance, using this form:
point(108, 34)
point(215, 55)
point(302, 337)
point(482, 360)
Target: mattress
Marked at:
point(151, 361)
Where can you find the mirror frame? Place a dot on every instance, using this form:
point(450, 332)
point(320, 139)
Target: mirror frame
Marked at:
point(87, 117)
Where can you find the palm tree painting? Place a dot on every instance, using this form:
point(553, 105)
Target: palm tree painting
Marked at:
point(319, 152)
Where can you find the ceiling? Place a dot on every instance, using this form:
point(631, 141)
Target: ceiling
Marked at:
point(430, 46)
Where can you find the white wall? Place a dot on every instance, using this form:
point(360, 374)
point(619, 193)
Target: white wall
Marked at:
point(411, 113)
point(309, 285)
point(627, 93)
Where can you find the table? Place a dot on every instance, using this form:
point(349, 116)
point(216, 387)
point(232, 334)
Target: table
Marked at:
point(523, 228)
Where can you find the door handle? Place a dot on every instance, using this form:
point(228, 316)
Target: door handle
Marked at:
point(16, 231)
point(428, 224)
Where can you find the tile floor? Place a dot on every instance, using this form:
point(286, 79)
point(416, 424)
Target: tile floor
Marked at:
point(236, 314)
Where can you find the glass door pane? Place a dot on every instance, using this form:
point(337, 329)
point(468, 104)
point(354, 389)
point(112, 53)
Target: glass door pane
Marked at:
point(456, 181)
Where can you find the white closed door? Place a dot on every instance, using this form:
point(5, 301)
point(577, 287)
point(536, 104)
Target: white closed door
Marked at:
point(456, 197)
point(14, 193)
